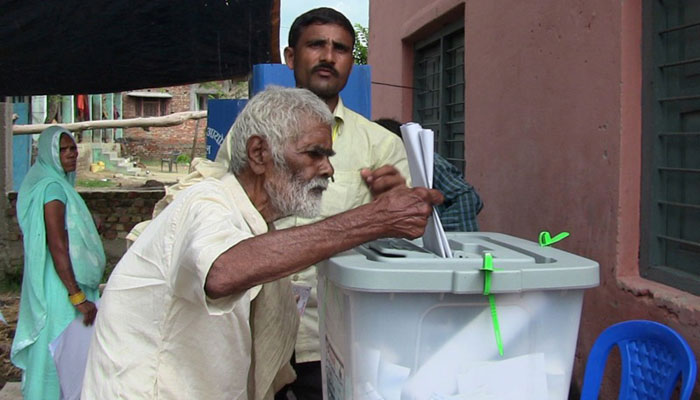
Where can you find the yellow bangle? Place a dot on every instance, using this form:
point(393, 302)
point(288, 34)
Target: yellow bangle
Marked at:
point(77, 298)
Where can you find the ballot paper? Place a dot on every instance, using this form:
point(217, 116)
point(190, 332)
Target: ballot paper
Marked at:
point(390, 380)
point(69, 351)
point(520, 377)
point(301, 293)
point(419, 145)
point(368, 392)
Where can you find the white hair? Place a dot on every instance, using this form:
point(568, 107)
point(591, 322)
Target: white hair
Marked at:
point(278, 115)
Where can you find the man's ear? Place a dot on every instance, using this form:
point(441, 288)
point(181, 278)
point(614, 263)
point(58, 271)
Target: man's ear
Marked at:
point(259, 154)
point(289, 57)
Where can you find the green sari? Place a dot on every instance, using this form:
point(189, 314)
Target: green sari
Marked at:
point(45, 310)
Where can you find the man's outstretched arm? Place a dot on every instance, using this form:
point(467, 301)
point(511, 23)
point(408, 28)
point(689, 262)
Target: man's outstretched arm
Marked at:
point(397, 213)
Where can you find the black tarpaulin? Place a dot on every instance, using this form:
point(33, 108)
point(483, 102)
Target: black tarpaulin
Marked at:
point(98, 46)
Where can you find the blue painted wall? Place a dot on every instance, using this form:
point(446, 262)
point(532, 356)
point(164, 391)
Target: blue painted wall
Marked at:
point(21, 147)
point(356, 95)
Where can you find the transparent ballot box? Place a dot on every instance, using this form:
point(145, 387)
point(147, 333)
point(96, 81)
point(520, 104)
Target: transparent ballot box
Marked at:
point(398, 322)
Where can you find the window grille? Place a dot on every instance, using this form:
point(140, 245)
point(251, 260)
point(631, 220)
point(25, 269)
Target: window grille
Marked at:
point(438, 101)
point(671, 144)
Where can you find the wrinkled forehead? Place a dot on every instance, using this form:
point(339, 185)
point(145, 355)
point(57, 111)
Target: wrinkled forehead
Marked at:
point(313, 133)
point(322, 29)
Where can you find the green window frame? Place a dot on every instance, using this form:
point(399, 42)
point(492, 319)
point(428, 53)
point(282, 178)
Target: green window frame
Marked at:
point(670, 221)
point(438, 96)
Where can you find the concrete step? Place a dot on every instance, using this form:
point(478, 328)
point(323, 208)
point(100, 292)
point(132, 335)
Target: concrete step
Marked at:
point(11, 391)
point(111, 156)
point(127, 170)
point(119, 164)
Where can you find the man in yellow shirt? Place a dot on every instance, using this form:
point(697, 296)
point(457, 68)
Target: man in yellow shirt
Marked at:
point(320, 53)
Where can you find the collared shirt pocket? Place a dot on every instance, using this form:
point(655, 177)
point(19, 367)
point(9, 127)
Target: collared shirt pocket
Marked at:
point(346, 192)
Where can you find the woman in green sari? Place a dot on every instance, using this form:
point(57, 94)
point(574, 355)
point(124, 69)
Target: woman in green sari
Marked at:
point(63, 261)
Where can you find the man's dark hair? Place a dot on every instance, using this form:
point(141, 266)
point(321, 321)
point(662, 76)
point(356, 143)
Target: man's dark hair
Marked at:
point(390, 124)
point(322, 16)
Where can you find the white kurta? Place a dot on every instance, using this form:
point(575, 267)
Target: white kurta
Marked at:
point(157, 335)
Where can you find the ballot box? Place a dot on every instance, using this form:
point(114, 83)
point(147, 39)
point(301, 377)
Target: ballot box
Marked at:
point(398, 322)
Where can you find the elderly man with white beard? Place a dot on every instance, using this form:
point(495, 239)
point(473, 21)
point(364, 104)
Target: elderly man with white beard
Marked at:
point(174, 319)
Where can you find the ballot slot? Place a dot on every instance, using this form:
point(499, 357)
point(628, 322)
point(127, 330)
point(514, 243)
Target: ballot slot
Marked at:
point(395, 247)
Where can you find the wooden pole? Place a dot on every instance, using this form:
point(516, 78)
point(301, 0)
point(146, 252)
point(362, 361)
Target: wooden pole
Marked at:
point(6, 148)
point(145, 123)
point(194, 145)
point(5, 178)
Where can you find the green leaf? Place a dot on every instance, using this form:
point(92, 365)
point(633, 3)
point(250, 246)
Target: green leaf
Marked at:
point(360, 51)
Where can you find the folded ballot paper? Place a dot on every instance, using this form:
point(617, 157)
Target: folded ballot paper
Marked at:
point(69, 351)
point(419, 149)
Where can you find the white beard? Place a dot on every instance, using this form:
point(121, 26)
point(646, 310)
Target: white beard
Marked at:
point(290, 195)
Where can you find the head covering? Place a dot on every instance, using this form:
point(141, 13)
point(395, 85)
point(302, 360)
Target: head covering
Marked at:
point(85, 246)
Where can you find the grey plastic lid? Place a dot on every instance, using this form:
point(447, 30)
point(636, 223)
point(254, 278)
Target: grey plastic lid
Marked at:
point(399, 265)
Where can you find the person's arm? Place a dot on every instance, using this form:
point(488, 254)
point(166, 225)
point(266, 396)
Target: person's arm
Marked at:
point(99, 224)
point(462, 202)
point(57, 241)
point(265, 258)
point(460, 213)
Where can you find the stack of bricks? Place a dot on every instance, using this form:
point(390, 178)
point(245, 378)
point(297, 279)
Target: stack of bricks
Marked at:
point(120, 210)
point(14, 251)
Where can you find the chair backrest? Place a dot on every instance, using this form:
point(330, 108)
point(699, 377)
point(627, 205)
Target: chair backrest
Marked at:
point(174, 155)
point(653, 357)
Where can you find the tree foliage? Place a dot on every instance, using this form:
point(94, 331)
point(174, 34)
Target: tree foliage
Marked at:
point(359, 53)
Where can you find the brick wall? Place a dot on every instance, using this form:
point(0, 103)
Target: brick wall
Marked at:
point(159, 142)
point(119, 211)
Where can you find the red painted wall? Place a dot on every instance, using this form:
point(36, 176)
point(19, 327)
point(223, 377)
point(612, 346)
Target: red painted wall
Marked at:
point(553, 133)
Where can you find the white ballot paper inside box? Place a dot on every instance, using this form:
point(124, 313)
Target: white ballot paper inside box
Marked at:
point(419, 150)
point(520, 377)
point(69, 351)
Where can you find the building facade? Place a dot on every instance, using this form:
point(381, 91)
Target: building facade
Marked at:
point(159, 142)
point(567, 115)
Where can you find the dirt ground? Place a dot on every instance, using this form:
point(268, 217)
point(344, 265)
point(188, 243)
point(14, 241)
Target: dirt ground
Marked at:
point(149, 177)
point(9, 305)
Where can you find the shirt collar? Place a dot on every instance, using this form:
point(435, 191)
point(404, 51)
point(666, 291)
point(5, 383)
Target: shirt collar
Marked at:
point(251, 215)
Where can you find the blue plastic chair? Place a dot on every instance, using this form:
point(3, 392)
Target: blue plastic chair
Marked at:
point(653, 357)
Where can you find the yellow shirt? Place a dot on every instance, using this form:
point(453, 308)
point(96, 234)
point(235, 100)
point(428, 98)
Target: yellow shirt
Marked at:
point(359, 144)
